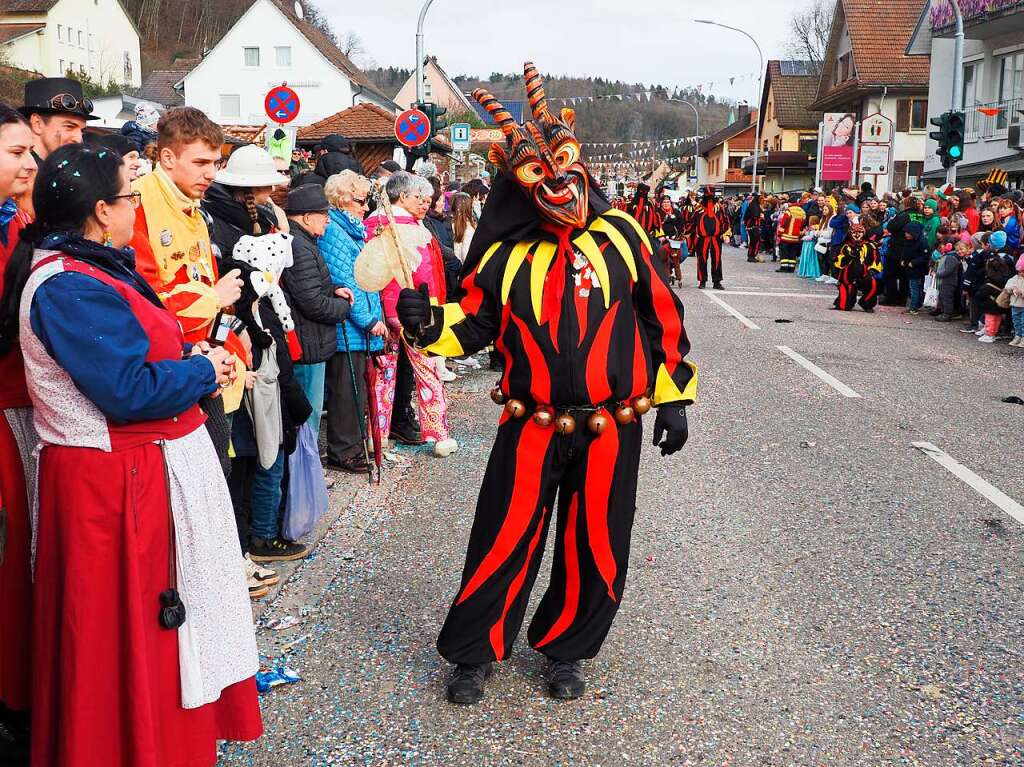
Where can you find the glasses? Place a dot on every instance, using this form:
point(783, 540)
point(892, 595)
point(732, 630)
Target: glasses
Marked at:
point(357, 201)
point(67, 103)
point(134, 197)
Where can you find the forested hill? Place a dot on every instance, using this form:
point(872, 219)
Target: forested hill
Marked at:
point(603, 118)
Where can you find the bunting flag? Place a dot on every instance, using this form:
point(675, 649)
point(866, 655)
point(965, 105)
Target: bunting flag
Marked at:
point(990, 111)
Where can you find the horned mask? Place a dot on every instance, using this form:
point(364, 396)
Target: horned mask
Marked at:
point(543, 156)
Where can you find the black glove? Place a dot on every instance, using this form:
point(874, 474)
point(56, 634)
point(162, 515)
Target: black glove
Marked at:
point(413, 309)
point(671, 423)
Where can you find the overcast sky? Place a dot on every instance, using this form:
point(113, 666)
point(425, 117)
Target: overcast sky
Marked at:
point(635, 41)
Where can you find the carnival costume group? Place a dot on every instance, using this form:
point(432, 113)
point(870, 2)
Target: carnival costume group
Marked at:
point(569, 291)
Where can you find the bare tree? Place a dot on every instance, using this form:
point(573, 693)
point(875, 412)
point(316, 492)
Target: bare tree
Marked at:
point(810, 31)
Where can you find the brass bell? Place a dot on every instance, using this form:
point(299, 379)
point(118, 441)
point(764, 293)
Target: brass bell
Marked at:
point(624, 414)
point(498, 396)
point(597, 422)
point(543, 416)
point(515, 408)
point(642, 405)
point(565, 424)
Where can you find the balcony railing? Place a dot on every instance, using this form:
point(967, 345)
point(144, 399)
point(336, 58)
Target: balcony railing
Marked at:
point(941, 12)
point(988, 121)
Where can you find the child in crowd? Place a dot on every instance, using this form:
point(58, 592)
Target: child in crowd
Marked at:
point(915, 261)
point(809, 266)
point(1015, 287)
point(997, 274)
point(974, 272)
point(947, 275)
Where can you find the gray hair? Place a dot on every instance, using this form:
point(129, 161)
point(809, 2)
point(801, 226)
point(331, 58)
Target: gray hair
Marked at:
point(406, 183)
point(426, 169)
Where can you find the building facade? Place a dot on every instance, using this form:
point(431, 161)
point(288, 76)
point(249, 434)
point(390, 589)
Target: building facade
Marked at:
point(720, 156)
point(437, 88)
point(867, 71)
point(992, 95)
point(93, 38)
point(268, 46)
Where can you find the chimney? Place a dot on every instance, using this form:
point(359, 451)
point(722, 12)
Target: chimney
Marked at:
point(743, 113)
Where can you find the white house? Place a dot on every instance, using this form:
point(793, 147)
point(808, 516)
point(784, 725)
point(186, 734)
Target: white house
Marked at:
point(269, 45)
point(92, 37)
point(992, 96)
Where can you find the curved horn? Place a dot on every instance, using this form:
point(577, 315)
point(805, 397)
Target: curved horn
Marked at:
point(535, 90)
point(497, 111)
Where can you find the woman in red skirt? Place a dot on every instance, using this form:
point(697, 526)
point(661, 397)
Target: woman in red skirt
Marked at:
point(142, 632)
point(16, 443)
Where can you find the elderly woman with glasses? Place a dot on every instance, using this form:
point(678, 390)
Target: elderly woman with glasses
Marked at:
point(410, 198)
point(361, 333)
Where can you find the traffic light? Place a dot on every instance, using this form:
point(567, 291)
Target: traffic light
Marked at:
point(437, 122)
point(949, 137)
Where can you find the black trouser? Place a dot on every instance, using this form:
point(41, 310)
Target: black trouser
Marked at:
point(594, 478)
point(753, 242)
point(344, 411)
point(240, 482)
point(894, 281)
point(403, 416)
point(789, 255)
point(709, 248)
point(853, 279)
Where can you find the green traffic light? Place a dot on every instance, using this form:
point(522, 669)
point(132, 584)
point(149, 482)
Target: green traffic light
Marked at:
point(955, 152)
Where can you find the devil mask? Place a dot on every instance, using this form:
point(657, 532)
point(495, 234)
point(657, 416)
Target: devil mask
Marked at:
point(543, 156)
point(856, 231)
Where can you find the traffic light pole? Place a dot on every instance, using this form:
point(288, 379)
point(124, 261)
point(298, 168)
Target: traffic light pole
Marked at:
point(958, 75)
point(419, 50)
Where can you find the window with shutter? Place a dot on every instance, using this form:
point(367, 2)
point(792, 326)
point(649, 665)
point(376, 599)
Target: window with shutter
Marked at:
point(903, 110)
point(899, 175)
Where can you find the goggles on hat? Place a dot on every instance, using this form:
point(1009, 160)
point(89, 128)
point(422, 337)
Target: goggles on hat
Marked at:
point(65, 102)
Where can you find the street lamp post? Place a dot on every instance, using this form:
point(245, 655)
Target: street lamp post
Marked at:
point(419, 51)
point(958, 75)
point(696, 159)
point(760, 88)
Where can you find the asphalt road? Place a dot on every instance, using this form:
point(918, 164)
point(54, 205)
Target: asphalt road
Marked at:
point(806, 587)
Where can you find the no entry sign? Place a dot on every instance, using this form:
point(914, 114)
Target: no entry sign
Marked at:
point(281, 104)
point(412, 128)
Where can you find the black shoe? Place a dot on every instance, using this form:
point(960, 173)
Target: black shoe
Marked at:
point(406, 436)
point(718, 286)
point(355, 464)
point(466, 686)
point(943, 318)
point(702, 285)
point(276, 550)
point(565, 679)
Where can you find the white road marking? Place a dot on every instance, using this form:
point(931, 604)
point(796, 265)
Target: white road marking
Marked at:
point(733, 312)
point(831, 380)
point(972, 480)
point(774, 295)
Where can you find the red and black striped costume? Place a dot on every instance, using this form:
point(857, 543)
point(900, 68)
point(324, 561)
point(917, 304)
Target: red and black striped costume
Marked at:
point(644, 211)
point(584, 318)
point(858, 263)
point(710, 225)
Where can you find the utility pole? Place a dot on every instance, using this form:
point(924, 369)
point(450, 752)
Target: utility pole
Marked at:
point(696, 159)
point(958, 75)
point(760, 89)
point(419, 51)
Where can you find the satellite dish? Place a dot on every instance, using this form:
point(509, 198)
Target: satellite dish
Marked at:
point(298, 10)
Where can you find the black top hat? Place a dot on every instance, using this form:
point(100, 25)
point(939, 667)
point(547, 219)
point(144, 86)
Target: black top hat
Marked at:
point(56, 95)
point(308, 198)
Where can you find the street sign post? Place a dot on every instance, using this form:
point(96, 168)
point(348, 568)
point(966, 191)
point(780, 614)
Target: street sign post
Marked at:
point(281, 104)
point(460, 137)
point(412, 128)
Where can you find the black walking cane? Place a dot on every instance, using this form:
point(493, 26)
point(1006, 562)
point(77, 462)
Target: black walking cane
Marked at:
point(355, 397)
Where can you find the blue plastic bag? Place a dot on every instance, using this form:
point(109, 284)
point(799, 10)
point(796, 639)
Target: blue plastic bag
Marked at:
point(307, 491)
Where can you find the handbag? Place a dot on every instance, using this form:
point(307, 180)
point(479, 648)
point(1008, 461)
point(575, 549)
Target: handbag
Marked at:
point(1003, 299)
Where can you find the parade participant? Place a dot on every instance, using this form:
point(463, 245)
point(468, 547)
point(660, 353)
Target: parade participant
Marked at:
point(592, 337)
point(643, 209)
point(710, 226)
point(143, 643)
point(671, 231)
point(17, 442)
point(790, 230)
point(858, 264)
point(753, 218)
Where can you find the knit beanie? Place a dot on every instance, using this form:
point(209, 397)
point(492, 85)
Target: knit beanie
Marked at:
point(933, 204)
point(1020, 264)
point(997, 240)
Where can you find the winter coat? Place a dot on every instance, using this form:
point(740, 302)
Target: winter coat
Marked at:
point(228, 219)
point(991, 286)
point(340, 246)
point(916, 256)
point(310, 291)
point(974, 271)
point(1012, 228)
point(295, 407)
point(1015, 283)
point(839, 224)
point(441, 229)
point(138, 135)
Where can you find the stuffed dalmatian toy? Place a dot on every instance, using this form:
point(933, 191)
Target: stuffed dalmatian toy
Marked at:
point(268, 256)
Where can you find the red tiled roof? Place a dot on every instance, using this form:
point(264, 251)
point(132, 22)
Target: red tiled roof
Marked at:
point(10, 32)
point(743, 141)
point(159, 87)
point(363, 121)
point(247, 134)
point(879, 32)
point(791, 96)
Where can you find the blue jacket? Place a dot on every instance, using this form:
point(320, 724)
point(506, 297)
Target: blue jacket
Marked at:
point(339, 246)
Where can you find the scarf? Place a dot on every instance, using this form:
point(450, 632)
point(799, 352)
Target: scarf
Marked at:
point(117, 262)
point(177, 229)
point(8, 211)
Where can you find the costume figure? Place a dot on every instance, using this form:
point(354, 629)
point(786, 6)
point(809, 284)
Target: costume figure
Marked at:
point(710, 226)
point(858, 264)
point(568, 290)
point(753, 218)
point(791, 228)
point(644, 210)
